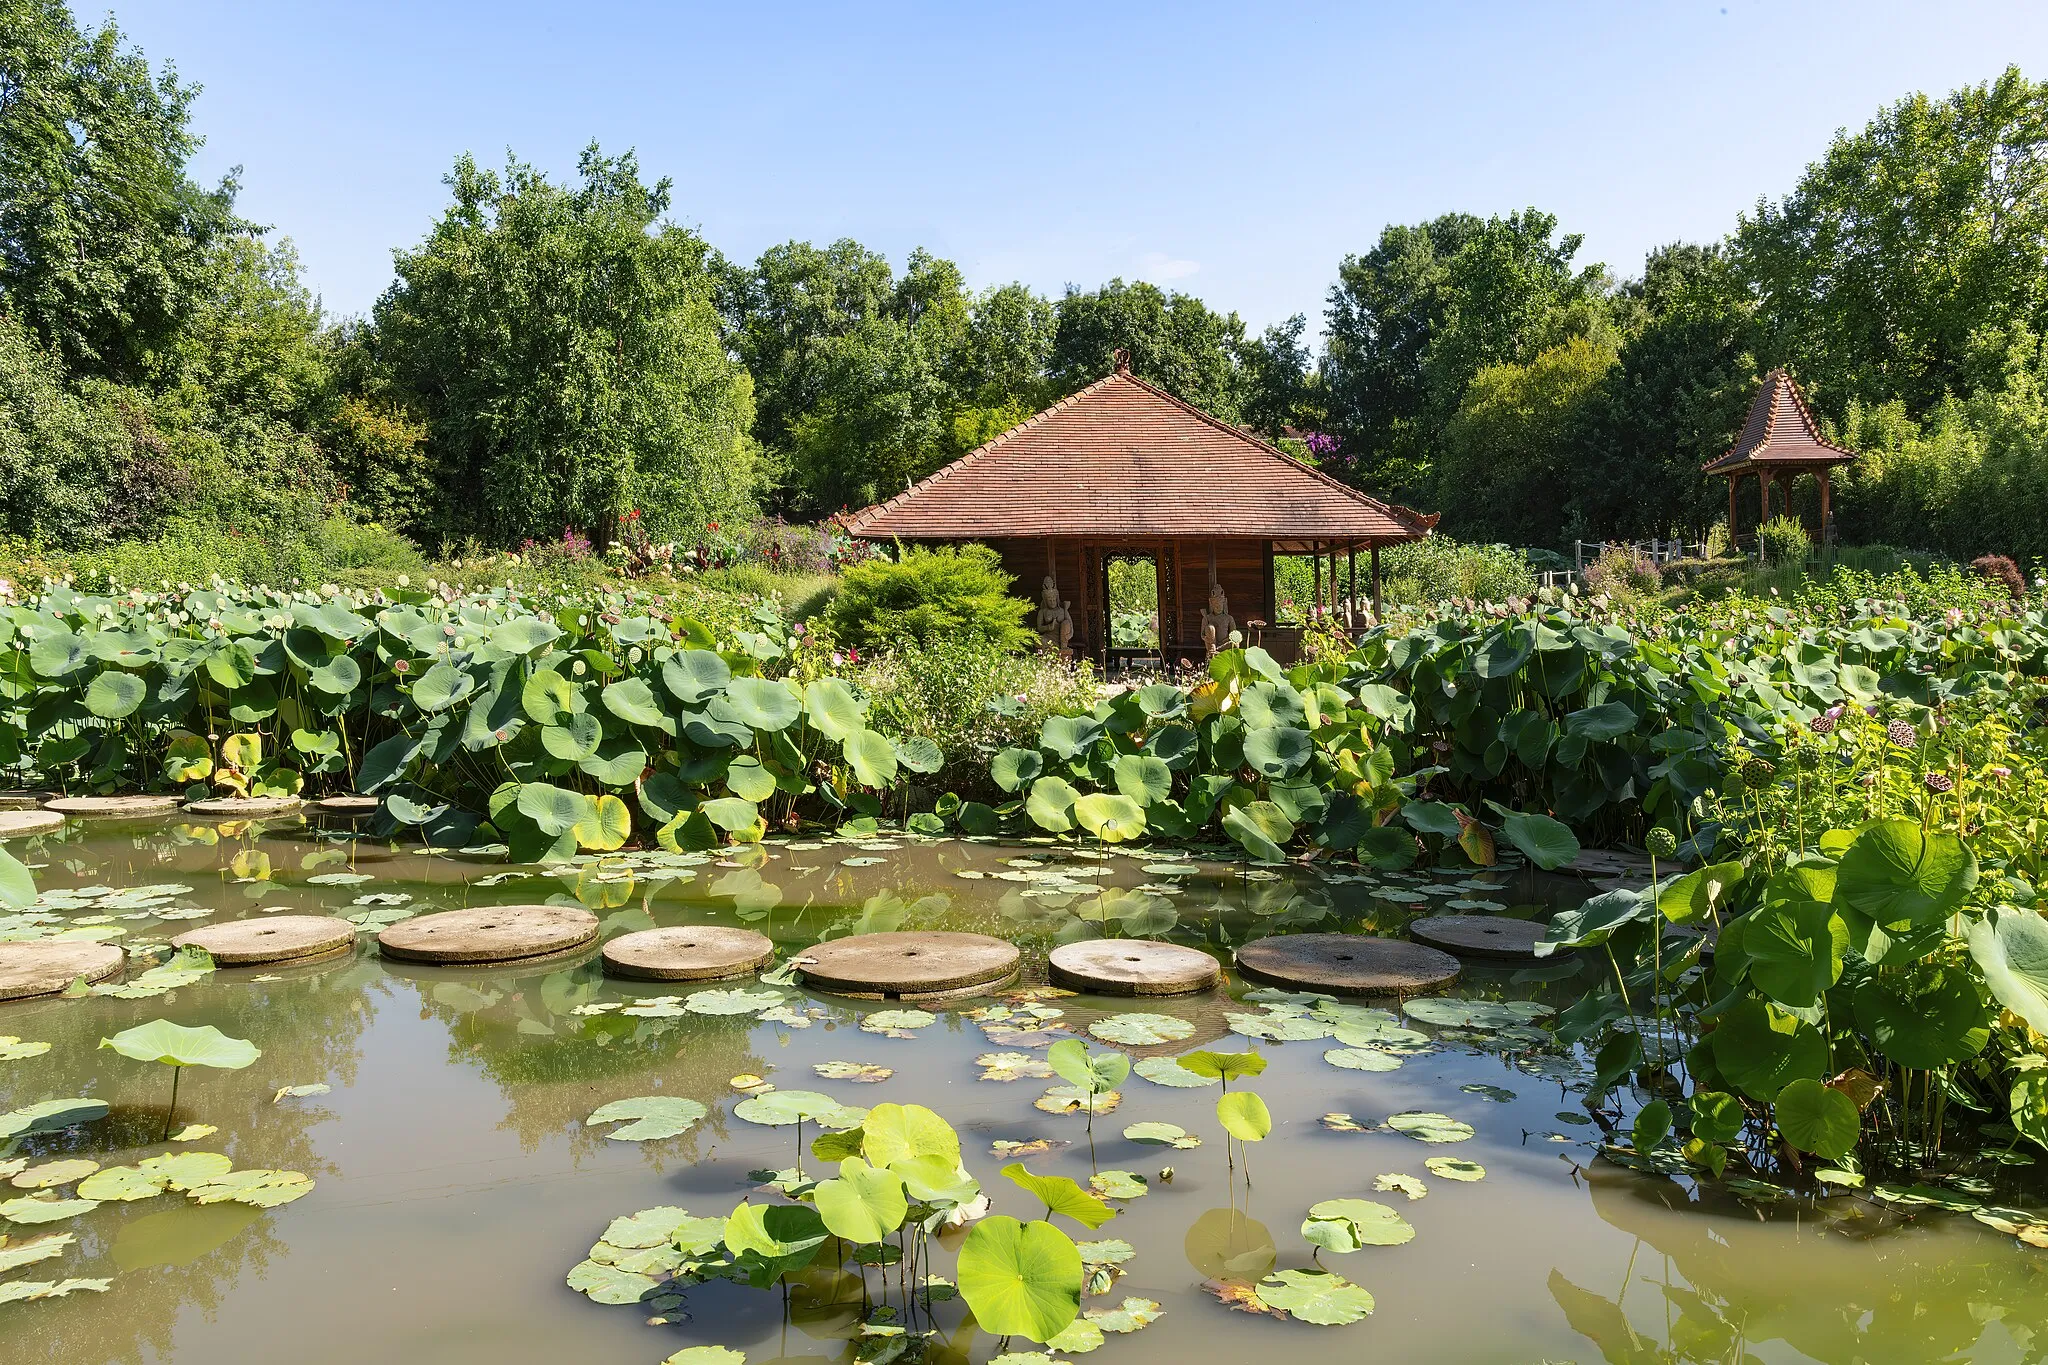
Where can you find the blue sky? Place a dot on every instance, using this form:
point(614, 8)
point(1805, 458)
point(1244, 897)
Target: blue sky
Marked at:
point(1236, 151)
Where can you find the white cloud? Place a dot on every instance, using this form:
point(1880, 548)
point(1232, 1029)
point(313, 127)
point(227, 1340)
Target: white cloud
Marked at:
point(1157, 265)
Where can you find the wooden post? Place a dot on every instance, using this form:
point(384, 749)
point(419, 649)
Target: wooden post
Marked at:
point(1763, 492)
point(1377, 616)
point(1824, 471)
point(1315, 559)
point(1351, 596)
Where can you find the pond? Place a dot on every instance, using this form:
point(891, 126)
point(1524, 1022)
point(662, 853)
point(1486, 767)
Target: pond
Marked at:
point(456, 1182)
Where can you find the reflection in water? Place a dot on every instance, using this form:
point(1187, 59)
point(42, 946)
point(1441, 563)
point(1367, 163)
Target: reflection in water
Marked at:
point(457, 1181)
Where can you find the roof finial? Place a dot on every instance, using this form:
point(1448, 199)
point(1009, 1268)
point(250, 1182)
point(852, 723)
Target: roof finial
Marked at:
point(1122, 360)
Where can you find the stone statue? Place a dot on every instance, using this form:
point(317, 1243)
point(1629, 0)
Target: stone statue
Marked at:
point(1217, 627)
point(1053, 622)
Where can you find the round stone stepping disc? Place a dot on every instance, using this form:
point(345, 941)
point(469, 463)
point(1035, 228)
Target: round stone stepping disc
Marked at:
point(243, 807)
point(1122, 966)
point(273, 938)
point(1346, 964)
point(47, 966)
point(688, 952)
point(29, 822)
point(354, 807)
point(24, 800)
point(1609, 862)
point(110, 806)
point(1479, 935)
point(499, 933)
point(908, 966)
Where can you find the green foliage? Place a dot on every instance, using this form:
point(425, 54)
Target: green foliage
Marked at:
point(927, 597)
point(1173, 339)
point(1505, 468)
point(552, 396)
point(1784, 541)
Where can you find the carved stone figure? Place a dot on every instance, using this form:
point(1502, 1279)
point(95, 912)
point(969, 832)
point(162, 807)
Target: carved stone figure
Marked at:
point(1053, 622)
point(1217, 626)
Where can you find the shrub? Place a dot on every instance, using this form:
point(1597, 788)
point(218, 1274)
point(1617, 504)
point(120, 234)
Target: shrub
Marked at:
point(956, 595)
point(1624, 572)
point(1999, 569)
point(1783, 540)
point(972, 700)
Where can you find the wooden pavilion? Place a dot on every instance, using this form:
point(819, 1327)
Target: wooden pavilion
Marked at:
point(1778, 444)
point(1124, 470)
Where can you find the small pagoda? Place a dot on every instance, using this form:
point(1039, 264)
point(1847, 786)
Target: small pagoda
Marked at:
point(1779, 442)
point(1124, 470)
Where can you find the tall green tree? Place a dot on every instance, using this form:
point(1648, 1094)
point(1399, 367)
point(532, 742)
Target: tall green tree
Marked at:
point(562, 345)
point(1280, 383)
point(1175, 340)
point(1910, 256)
point(106, 247)
point(1411, 322)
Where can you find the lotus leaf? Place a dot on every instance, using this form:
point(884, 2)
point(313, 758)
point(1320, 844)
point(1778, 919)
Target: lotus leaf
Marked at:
point(53, 1173)
point(1923, 1017)
point(861, 1073)
point(49, 1116)
point(1168, 1071)
point(1141, 1030)
point(1345, 1225)
point(1113, 819)
point(13, 1049)
point(1244, 1116)
point(1078, 1099)
point(863, 1204)
point(1316, 1296)
point(1428, 1127)
point(1118, 1185)
point(160, 1040)
point(1020, 1279)
point(1761, 1048)
point(905, 1132)
point(1892, 873)
point(14, 1255)
point(2010, 946)
point(654, 1117)
point(1362, 1059)
point(1817, 1119)
point(1012, 1066)
point(33, 1209)
point(609, 1284)
point(695, 675)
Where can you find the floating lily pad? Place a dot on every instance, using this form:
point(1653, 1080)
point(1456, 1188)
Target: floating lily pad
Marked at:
point(1078, 1338)
point(300, 1092)
point(1316, 1296)
point(54, 1173)
point(1109, 1251)
point(1141, 1030)
point(647, 1228)
point(1162, 1135)
point(1016, 1149)
point(339, 879)
point(1451, 1168)
point(1345, 1225)
point(1012, 1066)
point(1481, 1014)
point(1118, 1184)
point(257, 1188)
point(862, 1073)
point(736, 1001)
point(1491, 1092)
point(653, 1117)
point(1428, 1127)
point(781, 1108)
point(609, 1284)
point(1281, 1028)
point(896, 1023)
point(37, 1209)
point(1168, 1071)
point(1129, 1316)
point(1409, 1185)
point(14, 1255)
point(1072, 1099)
point(17, 1291)
point(14, 1049)
point(1362, 1059)
point(121, 1184)
point(862, 862)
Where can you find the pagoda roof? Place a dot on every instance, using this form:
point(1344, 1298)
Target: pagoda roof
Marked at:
point(1124, 459)
point(1780, 431)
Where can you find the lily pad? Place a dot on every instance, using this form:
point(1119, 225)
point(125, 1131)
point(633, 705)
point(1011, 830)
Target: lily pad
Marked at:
point(1162, 1135)
point(300, 1092)
point(1428, 1127)
point(1451, 1168)
point(1118, 1185)
point(861, 1073)
point(609, 1284)
point(160, 1040)
point(257, 1188)
point(1130, 1316)
point(1478, 1014)
point(1316, 1296)
point(1141, 1030)
point(185, 1170)
point(896, 1023)
point(1021, 1279)
point(653, 1117)
point(1492, 1092)
point(1362, 1059)
point(34, 1209)
point(14, 1255)
point(1012, 1066)
point(1169, 1072)
point(1409, 1185)
point(1072, 1099)
point(1345, 1225)
point(54, 1173)
point(14, 1049)
point(727, 1002)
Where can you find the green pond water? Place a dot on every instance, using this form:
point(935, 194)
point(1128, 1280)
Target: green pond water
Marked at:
point(456, 1182)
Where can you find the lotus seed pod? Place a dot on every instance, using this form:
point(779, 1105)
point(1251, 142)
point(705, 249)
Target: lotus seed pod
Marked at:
point(1660, 843)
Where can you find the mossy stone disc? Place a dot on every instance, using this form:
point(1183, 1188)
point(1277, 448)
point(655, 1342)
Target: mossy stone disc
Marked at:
point(1346, 964)
point(29, 822)
point(243, 807)
point(24, 800)
point(271, 938)
point(110, 807)
point(688, 952)
point(1479, 935)
point(499, 933)
point(47, 966)
point(908, 966)
point(1124, 966)
point(351, 806)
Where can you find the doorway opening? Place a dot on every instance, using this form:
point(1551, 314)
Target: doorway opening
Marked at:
point(1132, 592)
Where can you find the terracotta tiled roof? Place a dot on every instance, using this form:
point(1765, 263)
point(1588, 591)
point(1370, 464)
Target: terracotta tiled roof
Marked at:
point(1780, 430)
point(1123, 458)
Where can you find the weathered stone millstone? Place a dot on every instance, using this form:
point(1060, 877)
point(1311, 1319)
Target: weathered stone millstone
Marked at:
point(15, 822)
point(1346, 964)
point(1479, 936)
point(243, 807)
point(908, 966)
point(494, 934)
point(24, 800)
point(1607, 862)
point(349, 807)
point(112, 807)
point(47, 966)
point(273, 938)
point(1117, 966)
point(688, 953)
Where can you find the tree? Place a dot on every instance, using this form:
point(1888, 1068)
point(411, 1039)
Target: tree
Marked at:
point(1507, 465)
point(1908, 258)
point(106, 248)
point(1174, 340)
point(1281, 386)
point(1412, 321)
point(563, 348)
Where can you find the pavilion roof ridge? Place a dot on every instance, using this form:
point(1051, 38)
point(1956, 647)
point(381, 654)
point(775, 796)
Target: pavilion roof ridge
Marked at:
point(1778, 400)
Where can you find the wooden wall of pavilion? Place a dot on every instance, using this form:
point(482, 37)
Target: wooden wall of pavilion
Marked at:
point(1243, 567)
